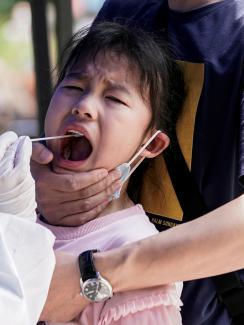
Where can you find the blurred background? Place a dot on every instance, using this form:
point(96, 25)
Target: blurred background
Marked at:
point(32, 35)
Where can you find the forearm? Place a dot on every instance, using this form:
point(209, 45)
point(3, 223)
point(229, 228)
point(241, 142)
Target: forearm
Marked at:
point(210, 245)
point(188, 5)
point(64, 301)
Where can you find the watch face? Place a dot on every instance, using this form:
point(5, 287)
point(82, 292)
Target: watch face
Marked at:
point(96, 290)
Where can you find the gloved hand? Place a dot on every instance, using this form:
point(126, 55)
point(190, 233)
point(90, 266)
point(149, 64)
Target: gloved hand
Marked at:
point(17, 187)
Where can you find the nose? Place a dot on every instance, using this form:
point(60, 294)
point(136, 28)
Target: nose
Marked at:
point(85, 108)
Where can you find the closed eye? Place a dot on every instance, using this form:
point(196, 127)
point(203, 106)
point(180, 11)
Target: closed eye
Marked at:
point(73, 87)
point(116, 100)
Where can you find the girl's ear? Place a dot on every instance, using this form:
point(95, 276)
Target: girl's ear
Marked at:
point(158, 145)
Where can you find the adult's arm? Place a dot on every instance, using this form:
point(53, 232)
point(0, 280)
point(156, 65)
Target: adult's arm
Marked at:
point(211, 245)
point(70, 199)
point(64, 301)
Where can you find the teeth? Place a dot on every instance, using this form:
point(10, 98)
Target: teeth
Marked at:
point(67, 153)
point(75, 133)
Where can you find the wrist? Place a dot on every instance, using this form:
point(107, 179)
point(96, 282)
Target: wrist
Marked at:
point(94, 286)
point(102, 264)
point(64, 301)
point(112, 265)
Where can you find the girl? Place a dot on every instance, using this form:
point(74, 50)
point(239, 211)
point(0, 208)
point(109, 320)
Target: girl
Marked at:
point(115, 93)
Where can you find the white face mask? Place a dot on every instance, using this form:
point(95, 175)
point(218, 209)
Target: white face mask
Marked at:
point(125, 168)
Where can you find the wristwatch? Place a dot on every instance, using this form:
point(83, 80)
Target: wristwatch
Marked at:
point(93, 286)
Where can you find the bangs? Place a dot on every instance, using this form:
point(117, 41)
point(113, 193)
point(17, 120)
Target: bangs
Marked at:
point(147, 56)
point(110, 39)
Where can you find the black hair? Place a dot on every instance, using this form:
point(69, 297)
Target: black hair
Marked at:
point(149, 55)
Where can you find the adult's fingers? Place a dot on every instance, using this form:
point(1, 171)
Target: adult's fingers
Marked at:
point(53, 189)
point(41, 154)
point(78, 210)
point(89, 190)
point(67, 182)
point(7, 163)
point(6, 139)
point(87, 204)
point(100, 186)
point(23, 153)
point(16, 164)
point(60, 196)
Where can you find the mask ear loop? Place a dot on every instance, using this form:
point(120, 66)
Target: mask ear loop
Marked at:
point(139, 152)
point(136, 165)
point(125, 168)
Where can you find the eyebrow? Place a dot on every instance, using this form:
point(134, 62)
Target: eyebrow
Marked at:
point(77, 76)
point(116, 86)
point(80, 76)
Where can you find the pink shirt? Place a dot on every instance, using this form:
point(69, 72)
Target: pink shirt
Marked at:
point(157, 306)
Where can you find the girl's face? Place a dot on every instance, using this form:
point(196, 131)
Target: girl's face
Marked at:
point(101, 100)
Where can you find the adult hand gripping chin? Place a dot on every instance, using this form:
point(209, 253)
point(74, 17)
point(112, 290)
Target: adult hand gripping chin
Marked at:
point(70, 199)
point(17, 191)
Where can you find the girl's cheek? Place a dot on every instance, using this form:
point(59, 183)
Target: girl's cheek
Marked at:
point(58, 104)
point(57, 97)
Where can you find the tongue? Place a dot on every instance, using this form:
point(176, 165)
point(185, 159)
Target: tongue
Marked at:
point(80, 149)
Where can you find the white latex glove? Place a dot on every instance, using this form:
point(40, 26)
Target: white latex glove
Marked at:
point(17, 187)
point(26, 266)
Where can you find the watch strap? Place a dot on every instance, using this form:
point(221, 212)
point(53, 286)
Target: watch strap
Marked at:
point(86, 265)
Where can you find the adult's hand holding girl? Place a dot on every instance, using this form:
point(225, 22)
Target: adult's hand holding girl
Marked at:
point(68, 199)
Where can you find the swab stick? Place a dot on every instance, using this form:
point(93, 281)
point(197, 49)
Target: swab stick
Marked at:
point(57, 137)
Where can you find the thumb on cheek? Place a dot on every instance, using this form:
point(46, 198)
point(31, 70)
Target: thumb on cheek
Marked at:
point(41, 154)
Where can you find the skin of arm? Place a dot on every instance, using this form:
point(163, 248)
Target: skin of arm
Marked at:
point(64, 301)
point(207, 246)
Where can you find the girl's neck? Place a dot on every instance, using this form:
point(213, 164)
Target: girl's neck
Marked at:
point(124, 202)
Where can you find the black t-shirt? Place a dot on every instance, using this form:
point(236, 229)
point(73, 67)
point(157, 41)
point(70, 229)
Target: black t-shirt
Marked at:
point(210, 43)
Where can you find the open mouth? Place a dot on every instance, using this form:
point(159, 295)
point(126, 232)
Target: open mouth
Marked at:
point(77, 148)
